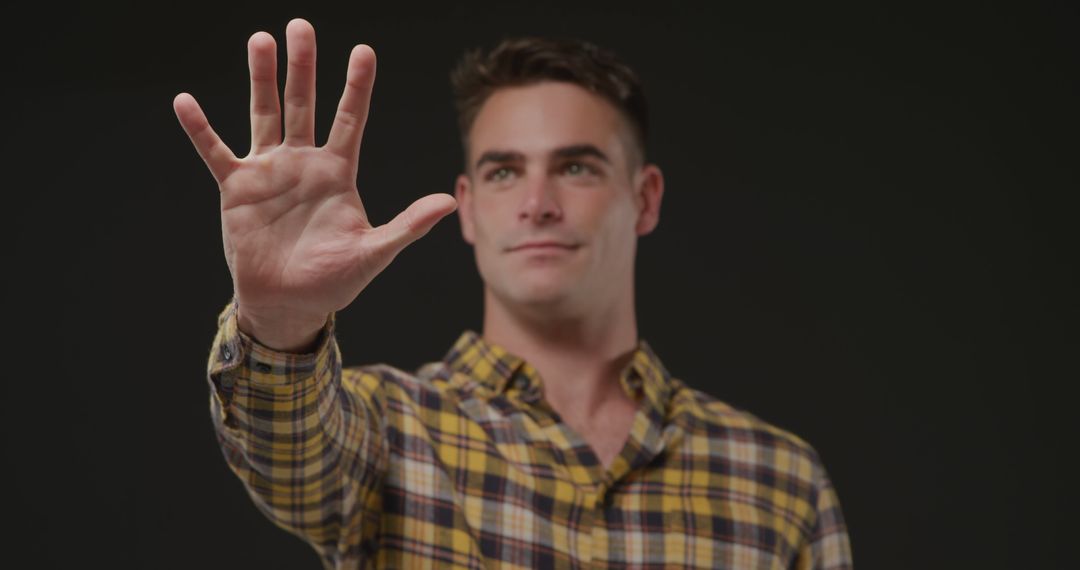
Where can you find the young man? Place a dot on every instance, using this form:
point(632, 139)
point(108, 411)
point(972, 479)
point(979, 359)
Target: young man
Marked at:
point(554, 439)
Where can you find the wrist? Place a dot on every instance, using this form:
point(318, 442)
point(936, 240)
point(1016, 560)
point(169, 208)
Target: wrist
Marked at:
point(281, 332)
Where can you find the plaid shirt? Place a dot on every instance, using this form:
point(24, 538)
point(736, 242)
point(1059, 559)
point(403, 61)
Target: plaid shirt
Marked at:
point(464, 465)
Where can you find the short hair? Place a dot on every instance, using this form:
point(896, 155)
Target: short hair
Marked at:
point(518, 62)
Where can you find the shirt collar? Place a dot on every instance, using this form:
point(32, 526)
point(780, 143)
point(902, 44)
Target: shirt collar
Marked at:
point(493, 367)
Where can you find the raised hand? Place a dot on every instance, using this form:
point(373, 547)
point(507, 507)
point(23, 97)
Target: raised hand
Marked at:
point(297, 240)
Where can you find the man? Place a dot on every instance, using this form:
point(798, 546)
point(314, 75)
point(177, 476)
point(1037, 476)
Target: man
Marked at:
point(554, 439)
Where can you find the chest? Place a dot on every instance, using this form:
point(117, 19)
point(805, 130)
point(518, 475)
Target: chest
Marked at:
point(506, 494)
point(604, 428)
point(605, 432)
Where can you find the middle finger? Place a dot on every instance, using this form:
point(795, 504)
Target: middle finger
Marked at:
point(300, 84)
point(265, 106)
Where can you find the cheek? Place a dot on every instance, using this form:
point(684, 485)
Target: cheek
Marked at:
point(483, 215)
point(613, 218)
point(615, 233)
point(491, 221)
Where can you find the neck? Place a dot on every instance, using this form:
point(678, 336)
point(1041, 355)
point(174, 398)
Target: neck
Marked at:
point(578, 354)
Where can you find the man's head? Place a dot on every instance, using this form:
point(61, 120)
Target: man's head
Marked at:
point(556, 189)
point(528, 61)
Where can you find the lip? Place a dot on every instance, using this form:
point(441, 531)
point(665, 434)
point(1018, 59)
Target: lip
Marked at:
point(543, 246)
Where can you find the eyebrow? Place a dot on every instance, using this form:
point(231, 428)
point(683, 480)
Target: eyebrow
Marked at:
point(577, 150)
point(572, 151)
point(499, 156)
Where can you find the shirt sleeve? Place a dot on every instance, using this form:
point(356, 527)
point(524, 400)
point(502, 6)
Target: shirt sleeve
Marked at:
point(828, 547)
point(308, 449)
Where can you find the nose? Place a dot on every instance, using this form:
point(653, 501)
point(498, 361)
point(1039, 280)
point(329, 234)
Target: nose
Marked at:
point(541, 202)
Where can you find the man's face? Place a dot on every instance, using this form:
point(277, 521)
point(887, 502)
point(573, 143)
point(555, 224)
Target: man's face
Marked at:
point(555, 198)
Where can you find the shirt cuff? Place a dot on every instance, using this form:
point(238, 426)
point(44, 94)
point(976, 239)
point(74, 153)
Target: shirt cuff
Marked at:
point(235, 354)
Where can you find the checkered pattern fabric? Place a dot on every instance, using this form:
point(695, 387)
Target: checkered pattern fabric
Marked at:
point(464, 465)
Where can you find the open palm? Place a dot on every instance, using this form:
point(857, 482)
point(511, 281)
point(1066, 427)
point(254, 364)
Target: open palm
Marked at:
point(297, 240)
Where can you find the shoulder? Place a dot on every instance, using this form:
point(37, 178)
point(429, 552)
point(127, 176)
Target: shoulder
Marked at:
point(428, 385)
point(758, 467)
point(734, 434)
point(748, 459)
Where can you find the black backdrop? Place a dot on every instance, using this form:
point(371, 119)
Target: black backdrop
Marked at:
point(863, 241)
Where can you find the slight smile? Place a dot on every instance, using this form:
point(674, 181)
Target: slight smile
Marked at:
point(543, 246)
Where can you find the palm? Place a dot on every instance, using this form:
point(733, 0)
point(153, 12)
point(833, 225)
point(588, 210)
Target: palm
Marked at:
point(297, 239)
point(294, 229)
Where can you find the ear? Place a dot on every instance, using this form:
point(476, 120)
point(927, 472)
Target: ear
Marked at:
point(463, 193)
point(648, 193)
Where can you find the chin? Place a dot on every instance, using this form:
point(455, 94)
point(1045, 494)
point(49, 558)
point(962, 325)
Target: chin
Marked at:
point(549, 296)
point(542, 296)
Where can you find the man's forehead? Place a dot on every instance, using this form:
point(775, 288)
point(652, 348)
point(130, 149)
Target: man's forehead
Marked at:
point(537, 121)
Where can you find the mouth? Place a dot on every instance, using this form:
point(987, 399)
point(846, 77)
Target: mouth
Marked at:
point(544, 246)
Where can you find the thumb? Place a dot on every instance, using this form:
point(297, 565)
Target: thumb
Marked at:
point(418, 219)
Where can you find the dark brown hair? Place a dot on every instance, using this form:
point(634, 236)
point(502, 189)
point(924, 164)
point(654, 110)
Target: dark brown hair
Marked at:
point(518, 62)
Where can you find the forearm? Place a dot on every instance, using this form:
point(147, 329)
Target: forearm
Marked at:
point(300, 442)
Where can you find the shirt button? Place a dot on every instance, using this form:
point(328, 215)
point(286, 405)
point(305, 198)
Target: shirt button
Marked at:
point(521, 382)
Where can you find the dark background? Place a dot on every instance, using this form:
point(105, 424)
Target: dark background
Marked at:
point(864, 241)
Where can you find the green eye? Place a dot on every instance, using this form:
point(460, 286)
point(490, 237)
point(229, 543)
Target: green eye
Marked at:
point(575, 168)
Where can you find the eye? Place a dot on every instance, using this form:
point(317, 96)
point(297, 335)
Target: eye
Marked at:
point(578, 168)
point(500, 173)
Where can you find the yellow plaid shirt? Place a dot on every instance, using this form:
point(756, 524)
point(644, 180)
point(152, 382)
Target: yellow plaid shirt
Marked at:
point(463, 465)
